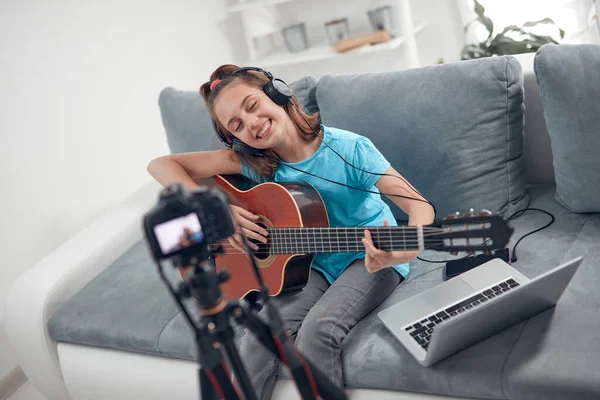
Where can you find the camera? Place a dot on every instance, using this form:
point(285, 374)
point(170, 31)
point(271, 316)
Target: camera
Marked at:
point(186, 223)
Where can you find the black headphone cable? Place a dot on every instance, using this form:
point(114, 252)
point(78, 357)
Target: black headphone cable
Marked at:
point(424, 200)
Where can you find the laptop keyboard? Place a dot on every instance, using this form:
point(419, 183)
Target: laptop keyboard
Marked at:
point(421, 330)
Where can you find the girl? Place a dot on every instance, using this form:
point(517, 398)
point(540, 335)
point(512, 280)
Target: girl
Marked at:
point(343, 287)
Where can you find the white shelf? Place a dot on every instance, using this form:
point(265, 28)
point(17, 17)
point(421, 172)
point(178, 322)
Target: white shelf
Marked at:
point(254, 4)
point(324, 51)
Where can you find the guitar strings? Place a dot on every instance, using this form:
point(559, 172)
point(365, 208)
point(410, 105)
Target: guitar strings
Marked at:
point(383, 237)
point(345, 248)
point(337, 231)
point(315, 237)
point(382, 228)
point(321, 236)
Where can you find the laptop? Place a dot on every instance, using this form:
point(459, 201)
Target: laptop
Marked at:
point(471, 307)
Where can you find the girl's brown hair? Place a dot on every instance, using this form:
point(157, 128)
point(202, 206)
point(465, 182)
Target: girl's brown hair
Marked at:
point(263, 166)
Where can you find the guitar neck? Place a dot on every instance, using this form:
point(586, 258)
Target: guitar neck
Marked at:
point(343, 240)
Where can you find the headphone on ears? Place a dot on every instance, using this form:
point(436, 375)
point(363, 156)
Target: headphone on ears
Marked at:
point(276, 90)
point(281, 94)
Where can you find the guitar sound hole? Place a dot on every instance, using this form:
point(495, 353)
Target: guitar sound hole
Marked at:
point(263, 248)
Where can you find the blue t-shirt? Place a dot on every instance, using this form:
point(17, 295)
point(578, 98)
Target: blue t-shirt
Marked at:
point(346, 207)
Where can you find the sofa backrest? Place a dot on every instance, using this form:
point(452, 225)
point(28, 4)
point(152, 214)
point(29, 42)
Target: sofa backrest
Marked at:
point(538, 153)
point(569, 80)
point(468, 99)
point(455, 131)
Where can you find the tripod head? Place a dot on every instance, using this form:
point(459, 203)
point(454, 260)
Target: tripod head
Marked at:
point(203, 283)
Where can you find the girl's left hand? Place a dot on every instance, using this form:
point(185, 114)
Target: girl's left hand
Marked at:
point(376, 259)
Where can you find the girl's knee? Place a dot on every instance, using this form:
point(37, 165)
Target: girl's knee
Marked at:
point(319, 330)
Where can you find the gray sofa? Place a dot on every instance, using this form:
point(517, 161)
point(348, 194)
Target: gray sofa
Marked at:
point(472, 134)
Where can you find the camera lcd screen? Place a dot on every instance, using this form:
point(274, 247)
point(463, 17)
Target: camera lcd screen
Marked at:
point(179, 233)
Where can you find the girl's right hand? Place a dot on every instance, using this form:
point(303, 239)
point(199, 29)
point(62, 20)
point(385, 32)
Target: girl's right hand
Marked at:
point(245, 224)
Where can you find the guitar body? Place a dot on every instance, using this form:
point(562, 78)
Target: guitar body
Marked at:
point(296, 218)
point(290, 204)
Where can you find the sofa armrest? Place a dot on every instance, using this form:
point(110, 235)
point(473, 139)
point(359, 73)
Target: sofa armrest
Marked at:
point(55, 279)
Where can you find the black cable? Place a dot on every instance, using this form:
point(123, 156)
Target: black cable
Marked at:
point(513, 257)
point(444, 261)
point(424, 200)
point(352, 187)
point(517, 214)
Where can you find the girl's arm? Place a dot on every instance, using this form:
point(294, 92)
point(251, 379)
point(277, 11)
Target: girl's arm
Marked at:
point(185, 167)
point(419, 213)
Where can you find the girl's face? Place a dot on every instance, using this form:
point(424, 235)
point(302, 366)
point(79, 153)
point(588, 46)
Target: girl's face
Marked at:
point(251, 116)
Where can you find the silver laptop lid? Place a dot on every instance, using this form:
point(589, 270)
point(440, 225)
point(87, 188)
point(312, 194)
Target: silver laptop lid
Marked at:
point(512, 307)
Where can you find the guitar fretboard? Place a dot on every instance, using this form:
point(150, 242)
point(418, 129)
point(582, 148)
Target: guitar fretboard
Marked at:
point(343, 240)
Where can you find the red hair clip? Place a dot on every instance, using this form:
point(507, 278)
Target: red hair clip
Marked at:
point(214, 83)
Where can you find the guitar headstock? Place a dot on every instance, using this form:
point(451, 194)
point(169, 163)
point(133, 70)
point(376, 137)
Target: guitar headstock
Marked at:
point(468, 232)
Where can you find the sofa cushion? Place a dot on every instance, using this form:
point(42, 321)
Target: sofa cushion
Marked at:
point(374, 358)
point(188, 124)
point(557, 354)
point(455, 131)
point(569, 81)
point(127, 307)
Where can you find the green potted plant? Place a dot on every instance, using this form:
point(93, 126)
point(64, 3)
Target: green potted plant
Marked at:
point(512, 39)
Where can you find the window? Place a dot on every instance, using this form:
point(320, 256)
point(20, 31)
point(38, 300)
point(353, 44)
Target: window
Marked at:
point(575, 17)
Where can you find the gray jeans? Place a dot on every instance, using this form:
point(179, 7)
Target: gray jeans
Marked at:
point(319, 317)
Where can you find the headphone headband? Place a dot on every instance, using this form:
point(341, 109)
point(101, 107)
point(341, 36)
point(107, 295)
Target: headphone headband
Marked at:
point(244, 69)
point(275, 89)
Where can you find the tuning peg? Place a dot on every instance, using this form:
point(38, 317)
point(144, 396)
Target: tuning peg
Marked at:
point(485, 213)
point(450, 216)
point(470, 213)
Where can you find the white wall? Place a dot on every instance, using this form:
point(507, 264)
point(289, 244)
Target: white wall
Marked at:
point(79, 121)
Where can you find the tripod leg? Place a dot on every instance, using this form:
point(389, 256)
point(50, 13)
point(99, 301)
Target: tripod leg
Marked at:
point(240, 370)
point(207, 389)
point(301, 372)
point(215, 384)
point(213, 373)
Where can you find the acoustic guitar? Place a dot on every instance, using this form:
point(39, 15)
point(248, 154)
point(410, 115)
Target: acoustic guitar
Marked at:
point(295, 216)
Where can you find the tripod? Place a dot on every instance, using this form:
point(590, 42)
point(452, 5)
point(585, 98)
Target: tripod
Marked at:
point(214, 333)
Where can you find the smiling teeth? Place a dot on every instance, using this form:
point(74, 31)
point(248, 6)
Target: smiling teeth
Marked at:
point(264, 129)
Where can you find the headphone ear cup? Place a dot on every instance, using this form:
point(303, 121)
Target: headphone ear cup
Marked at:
point(278, 91)
point(237, 145)
point(245, 149)
point(220, 135)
